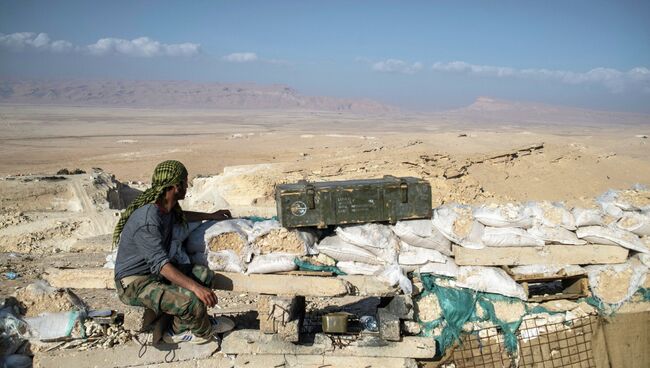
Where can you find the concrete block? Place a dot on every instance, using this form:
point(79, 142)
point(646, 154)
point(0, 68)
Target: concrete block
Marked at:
point(548, 254)
point(137, 318)
point(401, 306)
point(102, 278)
point(318, 361)
point(281, 315)
point(389, 326)
point(124, 356)
point(255, 342)
point(83, 278)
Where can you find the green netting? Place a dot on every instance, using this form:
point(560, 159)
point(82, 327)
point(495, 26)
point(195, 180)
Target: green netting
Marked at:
point(458, 307)
point(645, 294)
point(303, 265)
point(260, 219)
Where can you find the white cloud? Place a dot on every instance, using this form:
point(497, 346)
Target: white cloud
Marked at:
point(615, 80)
point(138, 47)
point(142, 47)
point(241, 57)
point(396, 66)
point(22, 41)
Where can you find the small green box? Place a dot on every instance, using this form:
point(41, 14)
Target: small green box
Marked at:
point(353, 201)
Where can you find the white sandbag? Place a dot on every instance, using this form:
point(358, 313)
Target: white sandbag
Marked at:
point(270, 263)
point(636, 199)
point(358, 268)
point(548, 270)
point(263, 227)
point(606, 202)
point(457, 224)
point(489, 280)
point(551, 214)
point(587, 217)
point(555, 235)
point(612, 236)
point(644, 258)
point(449, 268)
point(615, 284)
point(377, 239)
point(225, 260)
point(240, 226)
point(393, 275)
point(422, 233)
point(409, 255)
point(503, 215)
point(635, 222)
point(270, 237)
point(195, 242)
point(509, 237)
point(340, 250)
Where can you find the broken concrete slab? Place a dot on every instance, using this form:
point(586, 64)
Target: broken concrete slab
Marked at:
point(126, 355)
point(303, 285)
point(255, 342)
point(86, 278)
point(137, 318)
point(281, 315)
point(317, 361)
point(548, 254)
point(368, 286)
point(102, 278)
point(215, 361)
point(389, 326)
point(401, 306)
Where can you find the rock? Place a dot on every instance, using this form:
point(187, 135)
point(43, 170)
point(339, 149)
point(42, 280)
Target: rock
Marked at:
point(389, 326)
point(281, 315)
point(401, 306)
point(509, 312)
point(427, 308)
point(411, 327)
point(137, 318)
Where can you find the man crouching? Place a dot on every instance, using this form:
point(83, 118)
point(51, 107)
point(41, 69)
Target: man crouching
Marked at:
point(144, 274)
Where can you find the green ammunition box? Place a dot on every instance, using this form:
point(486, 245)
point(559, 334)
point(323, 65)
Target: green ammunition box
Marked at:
point(353, 201)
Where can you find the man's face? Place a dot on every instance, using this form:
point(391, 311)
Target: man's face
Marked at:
point(180, 190)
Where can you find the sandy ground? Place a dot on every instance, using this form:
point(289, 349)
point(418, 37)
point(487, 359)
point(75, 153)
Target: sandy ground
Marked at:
point(464, 161)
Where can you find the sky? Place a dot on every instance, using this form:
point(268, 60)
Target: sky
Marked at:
point(421, 55)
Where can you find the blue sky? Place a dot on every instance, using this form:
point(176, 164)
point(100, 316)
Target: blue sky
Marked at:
point(425, 55)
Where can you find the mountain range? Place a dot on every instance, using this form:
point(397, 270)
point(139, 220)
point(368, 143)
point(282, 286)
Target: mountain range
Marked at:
point(250, 96)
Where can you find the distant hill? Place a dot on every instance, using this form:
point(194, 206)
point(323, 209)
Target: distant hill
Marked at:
point(495, 111)
point(176, 94)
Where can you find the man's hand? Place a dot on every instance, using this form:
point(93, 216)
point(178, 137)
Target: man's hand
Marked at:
point(207, 296)
point(221, 215)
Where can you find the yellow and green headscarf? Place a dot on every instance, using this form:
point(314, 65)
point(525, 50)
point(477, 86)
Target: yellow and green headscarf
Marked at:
point(166, 174)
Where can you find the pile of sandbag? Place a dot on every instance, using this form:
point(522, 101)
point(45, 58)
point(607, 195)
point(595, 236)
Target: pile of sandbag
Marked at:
point(241, 245)
point(622, 218)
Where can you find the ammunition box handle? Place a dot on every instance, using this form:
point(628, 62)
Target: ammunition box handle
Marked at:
point(310, 192)
point(404, 191)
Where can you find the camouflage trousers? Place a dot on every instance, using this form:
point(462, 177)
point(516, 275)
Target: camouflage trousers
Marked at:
point(157, 294)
